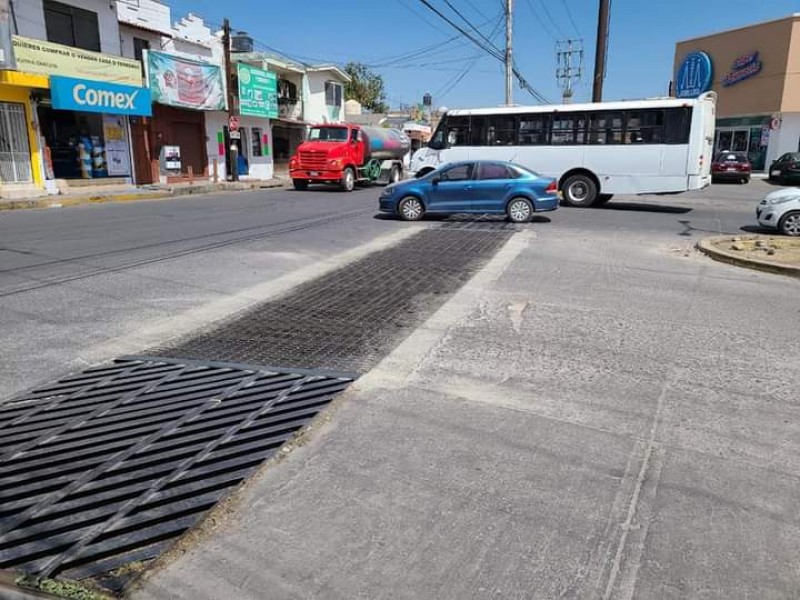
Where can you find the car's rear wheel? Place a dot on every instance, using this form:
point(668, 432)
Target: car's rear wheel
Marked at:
point(519, 210)
point(300, 184)
point(410, 209)
point(790, 223)
point(348, 182)
point(579, 190)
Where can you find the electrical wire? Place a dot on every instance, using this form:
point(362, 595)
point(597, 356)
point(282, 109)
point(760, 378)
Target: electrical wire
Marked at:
point(569, 15)
point(541, 21)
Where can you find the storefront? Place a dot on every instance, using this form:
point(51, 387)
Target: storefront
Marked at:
point(21, 171)
point(82, 113)
point(754, 71)
point(258, 104)
point(85, 127)
point(183, 90)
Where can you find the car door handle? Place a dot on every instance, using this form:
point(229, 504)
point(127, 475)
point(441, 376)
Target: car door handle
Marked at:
point(467, 188)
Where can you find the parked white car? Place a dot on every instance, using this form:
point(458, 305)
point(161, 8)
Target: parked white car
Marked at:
point(781, 210)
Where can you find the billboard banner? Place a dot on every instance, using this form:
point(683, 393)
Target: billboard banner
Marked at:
point(258, 92)
point(186, 83)
point(47, 58)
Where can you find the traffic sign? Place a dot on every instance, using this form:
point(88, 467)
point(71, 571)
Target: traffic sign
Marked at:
point(233, 123)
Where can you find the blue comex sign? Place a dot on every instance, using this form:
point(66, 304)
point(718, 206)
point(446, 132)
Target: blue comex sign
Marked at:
point(695, 75)
point(98, 96)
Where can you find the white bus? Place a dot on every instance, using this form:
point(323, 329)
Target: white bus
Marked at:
point(594, 150)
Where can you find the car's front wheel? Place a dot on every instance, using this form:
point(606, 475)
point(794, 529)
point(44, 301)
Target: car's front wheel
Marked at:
point(790, 223)
point(410, 209)
point(519, 210)
point(300, 184)
point(394, 174)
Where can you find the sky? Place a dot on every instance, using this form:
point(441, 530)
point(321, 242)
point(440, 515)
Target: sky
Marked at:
point(457, 73)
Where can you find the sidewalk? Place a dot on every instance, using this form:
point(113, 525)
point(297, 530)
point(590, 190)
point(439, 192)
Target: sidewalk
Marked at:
point(579, 421)
point(149, 192)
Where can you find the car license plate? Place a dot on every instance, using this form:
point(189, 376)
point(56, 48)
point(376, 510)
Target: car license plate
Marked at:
point(731, 168)
point(313, 173)
point(776, 173)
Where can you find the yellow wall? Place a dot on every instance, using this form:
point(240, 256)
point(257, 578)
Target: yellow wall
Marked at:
point(14, 93)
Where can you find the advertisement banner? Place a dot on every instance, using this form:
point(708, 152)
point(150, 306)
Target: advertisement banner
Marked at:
point(97, 96)
point(115, 135)
point(47, 58)
point(258, 92)
point(186, 83)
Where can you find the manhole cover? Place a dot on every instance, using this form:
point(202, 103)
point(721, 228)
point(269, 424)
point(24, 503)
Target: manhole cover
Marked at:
point(109, 466)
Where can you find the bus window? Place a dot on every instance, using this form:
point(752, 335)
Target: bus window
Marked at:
point(677, 124)
point(437, 139)
point(457, 131)
point(533, 129)
point(477, 130)
point(645, 126)
point(502, 130)
point(605, 127)
point(568, 128)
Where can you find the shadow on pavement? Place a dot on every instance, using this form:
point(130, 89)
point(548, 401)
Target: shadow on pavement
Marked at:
point(463, 218)
point(644, 207)
point(756, 229)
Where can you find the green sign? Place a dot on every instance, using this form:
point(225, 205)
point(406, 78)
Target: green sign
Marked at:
point(258, 92)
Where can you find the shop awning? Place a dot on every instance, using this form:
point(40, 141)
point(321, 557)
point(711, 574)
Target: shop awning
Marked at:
point(23, 79)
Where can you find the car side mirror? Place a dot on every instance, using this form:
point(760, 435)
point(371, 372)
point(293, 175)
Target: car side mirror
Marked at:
point(435, 180)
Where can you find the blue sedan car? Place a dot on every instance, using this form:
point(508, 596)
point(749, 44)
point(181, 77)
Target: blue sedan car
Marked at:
point(478, 186)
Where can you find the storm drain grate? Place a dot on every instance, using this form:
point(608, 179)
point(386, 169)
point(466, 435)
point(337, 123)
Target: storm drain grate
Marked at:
point(109, 466)
point(351, 318)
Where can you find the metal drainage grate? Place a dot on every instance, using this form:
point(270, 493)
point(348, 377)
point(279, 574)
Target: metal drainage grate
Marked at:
point(109, 466)
point(351, 318)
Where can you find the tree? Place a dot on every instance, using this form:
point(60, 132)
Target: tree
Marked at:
point(366, 87)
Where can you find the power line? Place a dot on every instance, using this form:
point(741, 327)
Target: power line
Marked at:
point(540, 20)
point(523, 83)
point(551, 19)
point(569, 15)
point(471, 26)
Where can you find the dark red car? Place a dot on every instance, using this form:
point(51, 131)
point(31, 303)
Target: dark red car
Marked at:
point(731, 166)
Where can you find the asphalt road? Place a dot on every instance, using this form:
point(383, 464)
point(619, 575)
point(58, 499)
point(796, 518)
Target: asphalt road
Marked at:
point(77, 284)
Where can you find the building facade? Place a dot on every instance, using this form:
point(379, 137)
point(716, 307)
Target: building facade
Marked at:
point(755, 71)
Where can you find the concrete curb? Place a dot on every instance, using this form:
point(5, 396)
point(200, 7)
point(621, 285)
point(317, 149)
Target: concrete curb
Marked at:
point(156, 194)
point(706, 246)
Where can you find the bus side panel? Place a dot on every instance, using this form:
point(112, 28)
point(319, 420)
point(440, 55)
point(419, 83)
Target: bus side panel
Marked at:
point(550, 161)
point(701, 144)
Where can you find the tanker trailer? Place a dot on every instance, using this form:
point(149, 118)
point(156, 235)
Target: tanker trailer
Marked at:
point(385, 153)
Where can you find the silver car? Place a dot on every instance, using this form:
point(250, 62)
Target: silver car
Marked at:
point(781, 210)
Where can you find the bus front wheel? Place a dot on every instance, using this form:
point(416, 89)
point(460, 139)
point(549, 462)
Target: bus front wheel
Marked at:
point(579, 190)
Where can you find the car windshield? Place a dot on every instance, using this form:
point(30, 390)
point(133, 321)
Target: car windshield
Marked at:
point(731, 157)
point(328, 134)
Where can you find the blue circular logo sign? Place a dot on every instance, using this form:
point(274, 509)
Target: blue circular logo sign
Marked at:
point(695, 75)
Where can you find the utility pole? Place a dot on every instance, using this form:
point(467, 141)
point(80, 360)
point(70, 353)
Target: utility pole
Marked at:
point(600, 51)
point(233, 151)
point(569, 57)
point(509, 59)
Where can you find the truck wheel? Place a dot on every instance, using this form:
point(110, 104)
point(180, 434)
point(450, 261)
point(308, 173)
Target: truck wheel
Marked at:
point(579, 190)
point(410, 209)
point(348, 179)
point(300, 185)
point(394, 175)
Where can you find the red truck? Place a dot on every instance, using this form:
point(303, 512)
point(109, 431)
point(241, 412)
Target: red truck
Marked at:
point(348, 154)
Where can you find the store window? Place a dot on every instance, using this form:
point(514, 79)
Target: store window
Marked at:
point(15, 155)
point(333, 94)
point(71, 26)
point(255, 148)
